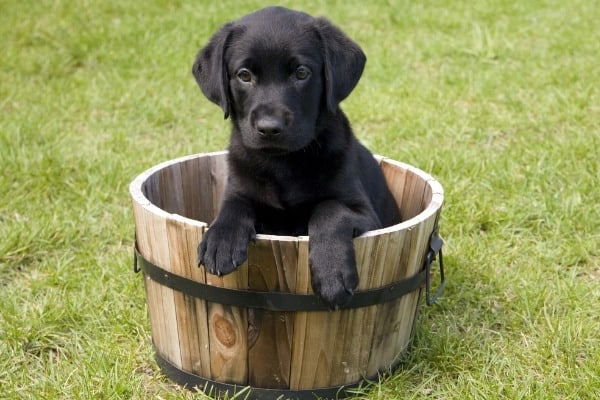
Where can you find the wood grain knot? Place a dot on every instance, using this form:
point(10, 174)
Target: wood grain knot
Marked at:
point(225, 331)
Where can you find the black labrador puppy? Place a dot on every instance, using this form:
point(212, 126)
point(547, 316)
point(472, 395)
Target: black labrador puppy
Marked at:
point(295, 167)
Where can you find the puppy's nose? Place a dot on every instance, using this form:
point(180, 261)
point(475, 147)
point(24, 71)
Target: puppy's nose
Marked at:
point(269, 126)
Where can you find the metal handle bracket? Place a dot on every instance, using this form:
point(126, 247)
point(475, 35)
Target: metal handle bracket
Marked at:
point(435, 248)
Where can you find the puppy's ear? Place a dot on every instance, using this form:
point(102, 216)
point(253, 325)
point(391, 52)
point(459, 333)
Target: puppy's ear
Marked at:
point(344, 62)
point(210, 70)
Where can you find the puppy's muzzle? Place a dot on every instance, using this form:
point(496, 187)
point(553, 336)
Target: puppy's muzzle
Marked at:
point(270, 122)
point(269, 126)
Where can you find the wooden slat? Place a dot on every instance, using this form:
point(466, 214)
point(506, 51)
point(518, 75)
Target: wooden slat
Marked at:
point(395, 177)
point(228, 332)
point(409, 307)
point(183, 238)
point(218, 171)
point(151, 189)
point(192, 188)
point(154, 308)
point(387, 319)
point(412, 194)
point(315, 335)
point(388, 336)
point(151, 234)
point(435, 203)
point(206, 189)
point(185, 319)
point(272, 267)
point(354, 340)
point(171, 189)
point(314, 368)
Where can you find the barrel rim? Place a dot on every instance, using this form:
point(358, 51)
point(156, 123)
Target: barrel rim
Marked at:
point(135, 190)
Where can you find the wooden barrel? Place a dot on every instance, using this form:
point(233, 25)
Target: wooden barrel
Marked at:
point(260, 329)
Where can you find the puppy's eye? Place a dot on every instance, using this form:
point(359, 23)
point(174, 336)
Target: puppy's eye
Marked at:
point(302, 73)
point(244, 75)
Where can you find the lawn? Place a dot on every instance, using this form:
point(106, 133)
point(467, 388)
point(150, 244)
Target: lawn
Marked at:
point(499, 101)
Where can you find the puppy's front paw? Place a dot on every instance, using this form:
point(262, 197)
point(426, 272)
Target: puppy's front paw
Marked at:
point(334, 274)
point(225, 247)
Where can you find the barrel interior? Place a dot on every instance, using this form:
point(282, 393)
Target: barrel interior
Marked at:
point(193, 188)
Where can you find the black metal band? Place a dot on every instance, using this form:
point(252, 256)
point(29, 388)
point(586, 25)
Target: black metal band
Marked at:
point(218, 389)
point(273, 301)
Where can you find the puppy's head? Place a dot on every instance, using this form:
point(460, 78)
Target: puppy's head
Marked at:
point(275, 71)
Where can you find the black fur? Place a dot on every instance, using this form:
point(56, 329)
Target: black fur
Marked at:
point(295, 167)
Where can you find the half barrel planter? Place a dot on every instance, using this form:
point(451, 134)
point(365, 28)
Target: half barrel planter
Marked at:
point(261, 329)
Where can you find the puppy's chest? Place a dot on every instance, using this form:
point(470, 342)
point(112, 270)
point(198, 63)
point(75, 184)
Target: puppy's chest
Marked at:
point(289, 192)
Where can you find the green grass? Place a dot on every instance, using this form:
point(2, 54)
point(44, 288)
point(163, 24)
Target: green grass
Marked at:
point(498, 100)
